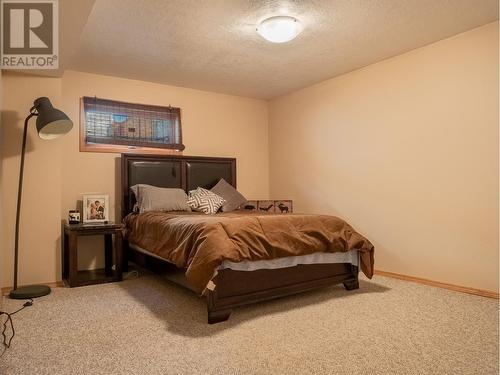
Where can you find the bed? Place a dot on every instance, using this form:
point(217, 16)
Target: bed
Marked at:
point(219, 269)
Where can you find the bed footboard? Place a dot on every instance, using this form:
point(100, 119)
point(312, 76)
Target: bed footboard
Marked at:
point(238, 288)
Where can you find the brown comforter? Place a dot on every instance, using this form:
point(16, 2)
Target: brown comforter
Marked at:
point(202, 242)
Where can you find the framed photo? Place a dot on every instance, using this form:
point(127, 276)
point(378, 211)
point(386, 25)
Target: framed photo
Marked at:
point(95, 208)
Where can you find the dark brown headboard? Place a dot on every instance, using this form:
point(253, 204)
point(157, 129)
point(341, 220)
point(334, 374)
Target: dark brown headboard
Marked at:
point(184, 172)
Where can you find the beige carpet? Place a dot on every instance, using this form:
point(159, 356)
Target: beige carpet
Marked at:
point(149, 326)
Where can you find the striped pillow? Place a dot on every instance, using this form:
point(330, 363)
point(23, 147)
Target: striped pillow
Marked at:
point(205, 201)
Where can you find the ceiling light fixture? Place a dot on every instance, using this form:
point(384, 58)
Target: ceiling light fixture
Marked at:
point(279, 29)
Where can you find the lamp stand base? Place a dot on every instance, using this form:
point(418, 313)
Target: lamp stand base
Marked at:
point(29, 291)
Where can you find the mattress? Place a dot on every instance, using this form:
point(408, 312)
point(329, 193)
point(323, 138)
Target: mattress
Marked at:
point(351, 256)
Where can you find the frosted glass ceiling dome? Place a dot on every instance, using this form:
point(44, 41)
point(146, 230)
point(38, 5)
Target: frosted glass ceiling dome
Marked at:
point(279, 29)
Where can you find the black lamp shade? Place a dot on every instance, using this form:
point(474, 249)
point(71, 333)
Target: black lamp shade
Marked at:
point(51, 123)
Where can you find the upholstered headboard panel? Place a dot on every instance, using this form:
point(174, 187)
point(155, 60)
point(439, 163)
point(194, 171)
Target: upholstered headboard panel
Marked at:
point(207, 173)
point(184, 172)
point(157, 173)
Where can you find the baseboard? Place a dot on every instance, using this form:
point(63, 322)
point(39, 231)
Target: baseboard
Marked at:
point(6, 290)
point(456, 288)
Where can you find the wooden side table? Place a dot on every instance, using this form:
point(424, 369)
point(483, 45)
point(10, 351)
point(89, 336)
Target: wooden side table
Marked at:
point(112, 254)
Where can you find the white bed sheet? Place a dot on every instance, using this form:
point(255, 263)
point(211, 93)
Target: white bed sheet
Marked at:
point(314, 258)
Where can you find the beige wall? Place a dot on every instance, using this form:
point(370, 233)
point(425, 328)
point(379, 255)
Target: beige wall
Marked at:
point(406, 150)
point(57, 174)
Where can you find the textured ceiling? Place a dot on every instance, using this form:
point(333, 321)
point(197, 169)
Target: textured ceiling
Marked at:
point(212, 44)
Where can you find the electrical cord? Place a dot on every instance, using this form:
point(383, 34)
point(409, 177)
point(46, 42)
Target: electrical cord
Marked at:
point(6, 341)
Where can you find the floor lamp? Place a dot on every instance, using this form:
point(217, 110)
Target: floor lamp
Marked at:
point(51, 123)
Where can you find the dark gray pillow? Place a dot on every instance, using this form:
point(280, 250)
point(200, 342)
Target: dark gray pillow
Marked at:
point(233, 197)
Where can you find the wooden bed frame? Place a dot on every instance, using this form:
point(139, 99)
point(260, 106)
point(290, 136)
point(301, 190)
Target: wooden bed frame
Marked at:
point(233, 288)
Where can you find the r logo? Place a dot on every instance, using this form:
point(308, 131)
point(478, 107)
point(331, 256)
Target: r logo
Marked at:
point(29, 28)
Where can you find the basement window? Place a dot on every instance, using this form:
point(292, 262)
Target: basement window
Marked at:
point(113, 126)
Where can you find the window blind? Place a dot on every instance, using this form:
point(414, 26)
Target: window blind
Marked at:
point(113, 122)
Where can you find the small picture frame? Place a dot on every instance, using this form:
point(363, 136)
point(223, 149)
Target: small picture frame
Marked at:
point(283, 206)
point(74, 217)
point(249, 206)
point(266, 206)
point(95, 208)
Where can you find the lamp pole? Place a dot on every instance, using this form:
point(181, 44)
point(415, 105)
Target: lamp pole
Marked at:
point(19, 195)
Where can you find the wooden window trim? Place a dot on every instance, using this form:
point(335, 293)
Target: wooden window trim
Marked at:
point(118, 149)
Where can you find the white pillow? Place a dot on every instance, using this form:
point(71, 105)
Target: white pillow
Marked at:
point(152, 198)
point(205, 201)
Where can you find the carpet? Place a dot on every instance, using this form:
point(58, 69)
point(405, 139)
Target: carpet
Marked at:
point(150, 326)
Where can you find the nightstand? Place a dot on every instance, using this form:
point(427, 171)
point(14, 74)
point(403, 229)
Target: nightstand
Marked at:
point(112, 254)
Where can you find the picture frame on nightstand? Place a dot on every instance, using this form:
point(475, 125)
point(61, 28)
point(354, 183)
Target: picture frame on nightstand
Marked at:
point(95, 208)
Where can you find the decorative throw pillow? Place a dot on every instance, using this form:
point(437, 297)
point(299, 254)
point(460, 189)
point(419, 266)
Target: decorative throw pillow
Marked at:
point(153, 198)
point(205, 201)
point(233, 197)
